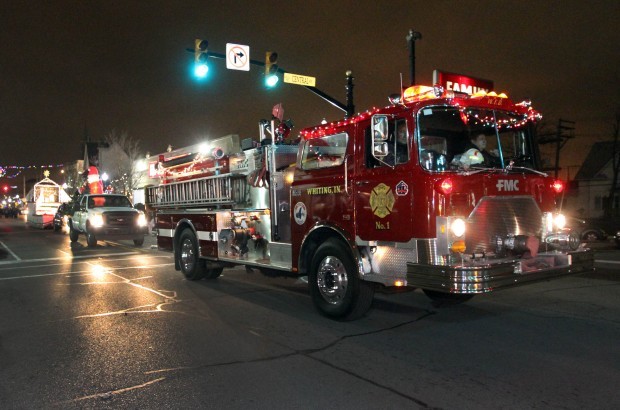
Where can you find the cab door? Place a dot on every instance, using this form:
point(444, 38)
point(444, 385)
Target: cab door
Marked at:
point(383, 184)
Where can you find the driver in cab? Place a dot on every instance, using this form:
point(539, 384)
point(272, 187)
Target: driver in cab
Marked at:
point(398, 147)
point(476, 153)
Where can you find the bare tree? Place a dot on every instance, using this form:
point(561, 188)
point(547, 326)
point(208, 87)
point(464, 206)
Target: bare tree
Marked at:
point(615, 163)
point(119, 161)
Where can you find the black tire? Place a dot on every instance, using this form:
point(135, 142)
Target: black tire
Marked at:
point(138, 242)
point(187, 254)
point(73, 234)
point(212, 273)
point(591, 236)
point(443, 298)
point(91, 239)
point(335, 287)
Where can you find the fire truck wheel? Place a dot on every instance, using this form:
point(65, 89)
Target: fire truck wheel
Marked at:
point(188, 256)
point(73, 234)
point(443, 298)
point(212, 273)
point(335, 287)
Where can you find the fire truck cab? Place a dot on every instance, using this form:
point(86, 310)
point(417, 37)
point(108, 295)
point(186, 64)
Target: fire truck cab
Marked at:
point(395, 197)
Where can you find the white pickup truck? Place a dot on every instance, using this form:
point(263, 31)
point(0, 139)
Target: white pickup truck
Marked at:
point(107, 216)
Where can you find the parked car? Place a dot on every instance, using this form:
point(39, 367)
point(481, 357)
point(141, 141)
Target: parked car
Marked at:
point(617, 239)
point(588, 230)
point(10, 211)
point(61, 216)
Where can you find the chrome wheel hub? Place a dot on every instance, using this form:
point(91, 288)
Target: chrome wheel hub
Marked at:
point(332, 279)
point(187, 255)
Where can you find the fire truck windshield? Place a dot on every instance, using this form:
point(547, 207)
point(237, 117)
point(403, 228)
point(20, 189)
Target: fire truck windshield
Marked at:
point(453, 138)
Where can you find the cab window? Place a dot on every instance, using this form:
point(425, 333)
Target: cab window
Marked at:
point(471, 137)
point(324, 152)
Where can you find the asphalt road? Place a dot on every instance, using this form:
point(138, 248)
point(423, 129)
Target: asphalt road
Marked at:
point(117, 327)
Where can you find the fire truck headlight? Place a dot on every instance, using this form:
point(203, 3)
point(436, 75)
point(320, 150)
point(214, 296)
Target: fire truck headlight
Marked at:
point(559, 221)
point(96, 220)
point(141, 220)
point(457, 226)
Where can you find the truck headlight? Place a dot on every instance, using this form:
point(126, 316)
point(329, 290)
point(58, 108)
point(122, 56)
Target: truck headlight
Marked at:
point(457, 226)
point(141, 220)
point(559, 221)
point(553, 222)
point(96, 220)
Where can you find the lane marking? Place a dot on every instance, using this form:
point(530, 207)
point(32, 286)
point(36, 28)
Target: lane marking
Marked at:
point(10, 251)
point(68, 257)
point(87, 271)
point(108, 395)
point(12, 268)
point(607, 261)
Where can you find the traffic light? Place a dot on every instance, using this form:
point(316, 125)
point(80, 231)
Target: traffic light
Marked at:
point(271, 68)
point(201, 54)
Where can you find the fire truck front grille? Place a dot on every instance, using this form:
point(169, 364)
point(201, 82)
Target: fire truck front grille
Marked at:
point(501, 216)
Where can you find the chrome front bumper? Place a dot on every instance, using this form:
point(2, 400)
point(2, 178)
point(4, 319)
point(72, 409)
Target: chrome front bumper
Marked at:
point(487, 275)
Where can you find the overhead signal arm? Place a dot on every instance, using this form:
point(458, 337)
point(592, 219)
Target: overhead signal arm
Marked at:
point(348, 108)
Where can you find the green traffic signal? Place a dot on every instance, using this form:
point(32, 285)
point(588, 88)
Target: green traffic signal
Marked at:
point(271, 68)
point(201, 54)
point(201, 70)
point(272, 80)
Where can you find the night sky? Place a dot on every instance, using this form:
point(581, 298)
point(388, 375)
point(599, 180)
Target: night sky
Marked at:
point(70, 68)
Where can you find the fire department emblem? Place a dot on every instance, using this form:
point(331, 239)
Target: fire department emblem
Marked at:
point(300, 213)
point(382, 200)
point(402, 188)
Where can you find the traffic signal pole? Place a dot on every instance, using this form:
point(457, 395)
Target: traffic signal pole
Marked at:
point(411, 38)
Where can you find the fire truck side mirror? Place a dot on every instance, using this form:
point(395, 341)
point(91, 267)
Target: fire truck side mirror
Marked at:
point(380, 136)
point(380, 128)
point(380, 149)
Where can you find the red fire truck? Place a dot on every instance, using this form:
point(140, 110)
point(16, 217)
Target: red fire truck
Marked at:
point(392, 198)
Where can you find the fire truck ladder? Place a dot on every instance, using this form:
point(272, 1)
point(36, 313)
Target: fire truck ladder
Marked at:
point(207, 191)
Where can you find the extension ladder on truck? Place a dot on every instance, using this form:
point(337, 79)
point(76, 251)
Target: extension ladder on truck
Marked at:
point(207, 191)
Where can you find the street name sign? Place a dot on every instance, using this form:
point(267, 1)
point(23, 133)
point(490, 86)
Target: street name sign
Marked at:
point(299, 79)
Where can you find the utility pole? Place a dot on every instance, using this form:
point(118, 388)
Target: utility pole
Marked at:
point(564, 132)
